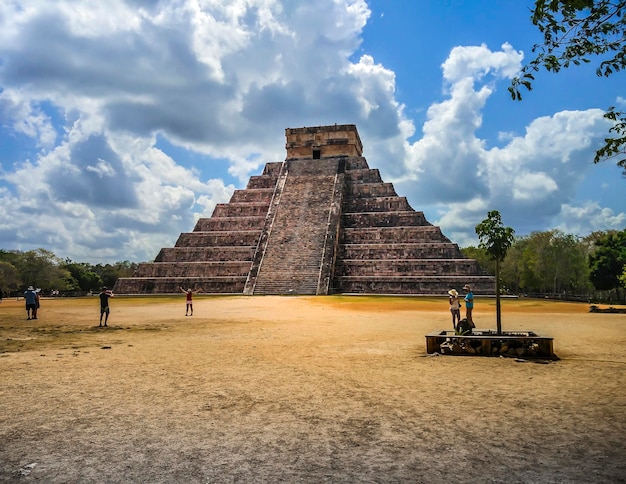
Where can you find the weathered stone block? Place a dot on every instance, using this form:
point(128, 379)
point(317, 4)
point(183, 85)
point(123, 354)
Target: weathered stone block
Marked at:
point(364, 176)
point(193, 269)
point(249, 209)
point(384, 219)
point(253, 195)
point(260, 182)
point(388, 235)
point(362, 190)
point(378, 204)
point(401, 251)
point(212, 239)
point(195, 254)
point(255, 222)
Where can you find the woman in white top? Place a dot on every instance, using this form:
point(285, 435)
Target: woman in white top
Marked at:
point(455, 307)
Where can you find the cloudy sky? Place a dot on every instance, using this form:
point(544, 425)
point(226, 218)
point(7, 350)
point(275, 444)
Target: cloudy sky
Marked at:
point(122, 122)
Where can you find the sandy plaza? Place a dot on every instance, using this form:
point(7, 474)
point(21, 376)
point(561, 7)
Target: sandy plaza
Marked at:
point(305, 389)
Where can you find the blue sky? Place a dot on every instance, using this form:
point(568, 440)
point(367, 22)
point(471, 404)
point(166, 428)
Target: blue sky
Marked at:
point(123, 122)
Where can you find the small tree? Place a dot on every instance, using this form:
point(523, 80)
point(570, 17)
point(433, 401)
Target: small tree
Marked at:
point(496, 239)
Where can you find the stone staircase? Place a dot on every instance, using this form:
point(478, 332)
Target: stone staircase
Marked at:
point(300, 230)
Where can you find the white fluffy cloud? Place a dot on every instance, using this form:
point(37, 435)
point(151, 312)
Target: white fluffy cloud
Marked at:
point(476, 62)
point(531, 179)
point(95, 86)
point(590, 217)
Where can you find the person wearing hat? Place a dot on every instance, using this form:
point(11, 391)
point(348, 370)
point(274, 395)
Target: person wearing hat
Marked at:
point(469, 304)
point(105, 294)
point(455, 307)
point(31, 302)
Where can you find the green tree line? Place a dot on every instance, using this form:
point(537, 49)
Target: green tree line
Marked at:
point(562, 265)
point(42, 269)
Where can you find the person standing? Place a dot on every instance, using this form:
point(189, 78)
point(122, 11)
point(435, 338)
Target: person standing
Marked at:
point(469, 304)
point(31, 299)
point(105, 295)
point(455, 307)
point(189, 300)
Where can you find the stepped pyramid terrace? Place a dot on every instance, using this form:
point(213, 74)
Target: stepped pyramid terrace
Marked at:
point(320, 222)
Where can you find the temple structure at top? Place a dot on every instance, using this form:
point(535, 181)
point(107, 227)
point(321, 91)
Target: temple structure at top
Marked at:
point(320, 222)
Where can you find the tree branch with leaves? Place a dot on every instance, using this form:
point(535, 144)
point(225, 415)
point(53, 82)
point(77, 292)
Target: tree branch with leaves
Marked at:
point(573, 31)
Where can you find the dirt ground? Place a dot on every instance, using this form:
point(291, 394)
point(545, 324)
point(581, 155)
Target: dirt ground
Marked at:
point(305, 389)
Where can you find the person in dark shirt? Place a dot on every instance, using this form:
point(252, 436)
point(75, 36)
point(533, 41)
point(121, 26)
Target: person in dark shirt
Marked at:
point(105, 294)
point(31, 302)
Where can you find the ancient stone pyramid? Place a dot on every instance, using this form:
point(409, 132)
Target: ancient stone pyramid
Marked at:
point(321, 222)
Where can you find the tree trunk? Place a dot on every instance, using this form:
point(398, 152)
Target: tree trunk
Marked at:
point(498, 314)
